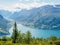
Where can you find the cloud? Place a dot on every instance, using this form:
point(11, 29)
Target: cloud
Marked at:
point(27, 6)
point(28, 1)
point(31, 5)
point(19, 6)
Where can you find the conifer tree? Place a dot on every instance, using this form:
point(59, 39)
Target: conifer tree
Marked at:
point(15, 33)
point(28, 37)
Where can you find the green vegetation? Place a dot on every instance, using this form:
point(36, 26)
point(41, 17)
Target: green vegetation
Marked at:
point(19, 38)
point(15, 34)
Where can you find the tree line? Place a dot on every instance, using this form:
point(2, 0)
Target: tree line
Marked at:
point(18, 37)
point(26, 38)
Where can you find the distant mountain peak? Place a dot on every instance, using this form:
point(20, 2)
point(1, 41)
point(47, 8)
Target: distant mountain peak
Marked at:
point(58, 6)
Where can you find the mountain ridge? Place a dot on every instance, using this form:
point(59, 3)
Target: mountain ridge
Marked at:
point(45, 17)
point(4, 25)
point(39, 17)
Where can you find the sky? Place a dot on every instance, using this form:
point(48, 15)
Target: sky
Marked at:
point(13, 5)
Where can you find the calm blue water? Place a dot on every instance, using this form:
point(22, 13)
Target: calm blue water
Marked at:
point(3, 34)
point(38, 32)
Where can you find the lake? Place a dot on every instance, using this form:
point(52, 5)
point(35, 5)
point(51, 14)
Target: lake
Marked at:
point(37, 32)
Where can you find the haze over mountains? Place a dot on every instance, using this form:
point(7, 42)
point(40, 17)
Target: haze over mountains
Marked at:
point(45, 17)
point(4, 25)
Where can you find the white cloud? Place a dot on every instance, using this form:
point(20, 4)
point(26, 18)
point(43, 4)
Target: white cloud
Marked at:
point(19, 6)
point(28, 5)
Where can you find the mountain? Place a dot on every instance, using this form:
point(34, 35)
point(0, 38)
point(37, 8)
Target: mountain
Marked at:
point(5, 13)
point(4, 25)
point(45, 17)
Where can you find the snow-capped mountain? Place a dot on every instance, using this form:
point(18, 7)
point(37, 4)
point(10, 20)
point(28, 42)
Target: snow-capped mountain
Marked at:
point(44, 17)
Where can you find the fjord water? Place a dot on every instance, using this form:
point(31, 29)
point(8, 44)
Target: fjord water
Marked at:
point(38, 33)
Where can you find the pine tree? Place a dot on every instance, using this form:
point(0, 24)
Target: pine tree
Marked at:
point(28, 37)
point(15, 33)
point(19, 37)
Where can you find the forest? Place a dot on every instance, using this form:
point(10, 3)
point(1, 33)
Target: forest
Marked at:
point(18, 38)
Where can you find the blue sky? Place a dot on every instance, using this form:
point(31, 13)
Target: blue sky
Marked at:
point(28, 1)
point(12, 4)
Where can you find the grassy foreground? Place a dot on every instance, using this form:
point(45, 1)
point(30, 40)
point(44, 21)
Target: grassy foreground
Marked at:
point(48, 41)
